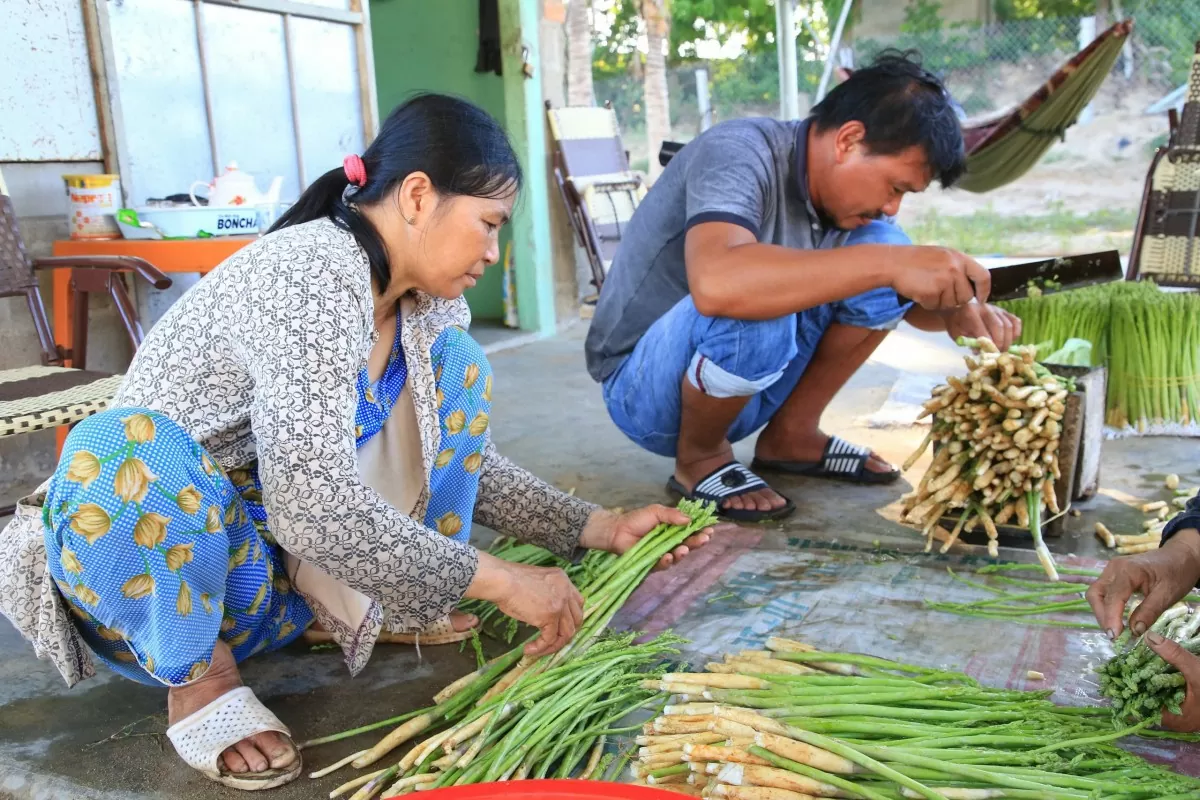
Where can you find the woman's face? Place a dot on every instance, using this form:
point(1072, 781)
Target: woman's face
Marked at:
point(459, 238)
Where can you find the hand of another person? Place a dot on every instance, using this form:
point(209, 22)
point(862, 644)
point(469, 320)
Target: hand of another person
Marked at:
point(938, 277)
point(978, 319)
point(1163, 577)
point(1188, 720)
point(618, 533)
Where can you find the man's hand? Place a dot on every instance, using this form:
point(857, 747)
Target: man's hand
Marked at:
point(938, 277)
point(975, 319)
point(1189, 666)
point(1163, 577)
point(616, 534)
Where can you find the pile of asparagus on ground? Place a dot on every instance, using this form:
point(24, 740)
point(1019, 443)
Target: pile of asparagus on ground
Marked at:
point(1159, 513)
point(997, 432)
point(517, 717)
point(1149, 340)
point(793, 723)
point(1138, 682)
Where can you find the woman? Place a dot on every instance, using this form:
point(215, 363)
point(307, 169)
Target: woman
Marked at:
point(1163, 577)
point(304, 436)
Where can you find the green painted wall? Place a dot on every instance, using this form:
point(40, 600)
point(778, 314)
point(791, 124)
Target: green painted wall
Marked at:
point(430, 46)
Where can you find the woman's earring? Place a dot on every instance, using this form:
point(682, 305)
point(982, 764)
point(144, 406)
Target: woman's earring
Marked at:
point(411, 220)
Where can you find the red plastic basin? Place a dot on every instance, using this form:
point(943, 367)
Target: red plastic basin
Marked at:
point(551, 790)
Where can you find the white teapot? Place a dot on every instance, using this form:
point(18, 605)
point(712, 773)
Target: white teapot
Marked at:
point(236, 188)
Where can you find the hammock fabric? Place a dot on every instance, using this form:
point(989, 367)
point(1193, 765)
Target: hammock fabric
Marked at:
point(1002, 149)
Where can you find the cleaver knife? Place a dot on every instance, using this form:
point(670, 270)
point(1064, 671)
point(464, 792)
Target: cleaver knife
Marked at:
point(1053, 275)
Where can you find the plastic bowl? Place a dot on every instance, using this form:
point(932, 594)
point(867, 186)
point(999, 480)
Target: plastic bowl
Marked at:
point(198, 220)
point(552, 790)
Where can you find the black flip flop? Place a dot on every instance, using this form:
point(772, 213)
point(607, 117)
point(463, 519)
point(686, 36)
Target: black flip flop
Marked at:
point(841, 461)
point(731, 480)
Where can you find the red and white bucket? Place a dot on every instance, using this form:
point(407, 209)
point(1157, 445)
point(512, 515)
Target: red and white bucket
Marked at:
point(92, 205)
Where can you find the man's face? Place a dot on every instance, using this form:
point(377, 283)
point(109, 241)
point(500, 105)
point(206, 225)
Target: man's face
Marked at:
point(864, 186)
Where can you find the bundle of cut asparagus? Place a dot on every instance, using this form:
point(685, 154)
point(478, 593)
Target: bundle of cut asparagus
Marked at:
point(793, 723)
point(1159, 513)
point(1138, 682)
point(491, 619)
point(510, 718)
point(997, 430)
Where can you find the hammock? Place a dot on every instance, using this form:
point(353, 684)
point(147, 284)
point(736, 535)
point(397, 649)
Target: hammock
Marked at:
point(1002, 148)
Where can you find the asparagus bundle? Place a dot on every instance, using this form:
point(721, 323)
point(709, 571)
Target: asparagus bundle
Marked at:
point(1138, 682)
point(1155, 359)
point(998, 429)
point(491, 619)
point(1149, 340)
point(494, 721)
point(756, 727)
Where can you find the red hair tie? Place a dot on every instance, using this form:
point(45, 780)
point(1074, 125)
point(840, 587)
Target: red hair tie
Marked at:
point(356, 170)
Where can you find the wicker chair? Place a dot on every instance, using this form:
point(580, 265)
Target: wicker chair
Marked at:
point(1166, 241)
point(50, 394)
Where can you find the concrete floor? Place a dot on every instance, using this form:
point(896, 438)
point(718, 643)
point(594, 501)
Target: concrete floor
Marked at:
point(103, 738)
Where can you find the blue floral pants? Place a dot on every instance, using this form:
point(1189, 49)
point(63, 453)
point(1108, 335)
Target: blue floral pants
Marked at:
point(159, 552)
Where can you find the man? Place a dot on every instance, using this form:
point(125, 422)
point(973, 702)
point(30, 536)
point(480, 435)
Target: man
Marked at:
point(1162, 577)
point(734, 302)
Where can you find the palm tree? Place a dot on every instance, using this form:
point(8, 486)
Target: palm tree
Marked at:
point(579, 54)
point(656, 14)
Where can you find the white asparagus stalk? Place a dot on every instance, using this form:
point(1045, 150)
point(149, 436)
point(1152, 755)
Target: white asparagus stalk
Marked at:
point(399, 736)
point(732, 755)
point(716, 681)
point(1105, 535)
point(361, 780)
point(773, 777)
point(1172, 482)
point(653, 741)
point(733, 730)
point(757, 793)
point(406, 785)
point(680, 743)
point(682, 725)
point(332, 768)
point(1157, 505)
point(660, 760)
point(751, 719)
point(1133, 549)
point(418, 753)
point(806, 754)
point(505, 683)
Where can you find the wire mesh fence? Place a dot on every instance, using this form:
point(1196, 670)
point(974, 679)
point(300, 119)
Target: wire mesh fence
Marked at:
point(988, 67)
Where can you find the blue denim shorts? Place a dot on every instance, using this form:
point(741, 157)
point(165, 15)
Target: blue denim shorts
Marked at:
point(761, 359)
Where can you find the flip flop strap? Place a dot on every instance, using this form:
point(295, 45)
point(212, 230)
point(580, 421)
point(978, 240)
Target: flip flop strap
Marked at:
point(728, 481)
point(236, 715)
point(844, 458)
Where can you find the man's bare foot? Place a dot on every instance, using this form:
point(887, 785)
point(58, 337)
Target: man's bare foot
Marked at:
point(810, 446)
point(263, 751)
point(690, 470)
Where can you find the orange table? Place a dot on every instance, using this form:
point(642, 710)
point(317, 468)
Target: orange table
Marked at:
point(169, 255)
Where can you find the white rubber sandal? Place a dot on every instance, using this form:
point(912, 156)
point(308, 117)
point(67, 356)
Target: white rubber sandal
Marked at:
point(201, 738)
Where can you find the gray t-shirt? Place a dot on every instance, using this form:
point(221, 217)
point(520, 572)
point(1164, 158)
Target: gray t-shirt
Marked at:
point(750, 172)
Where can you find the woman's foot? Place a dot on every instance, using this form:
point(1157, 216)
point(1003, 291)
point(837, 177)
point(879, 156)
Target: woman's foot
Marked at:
point(462, 624)
point(258, 753)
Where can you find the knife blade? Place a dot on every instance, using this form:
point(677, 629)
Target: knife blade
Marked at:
point(1052, 275)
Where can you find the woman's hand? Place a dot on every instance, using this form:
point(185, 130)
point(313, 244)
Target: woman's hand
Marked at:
point(539, 596)
point(1161, 576)
point(617, 533)
point(1188, 719)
